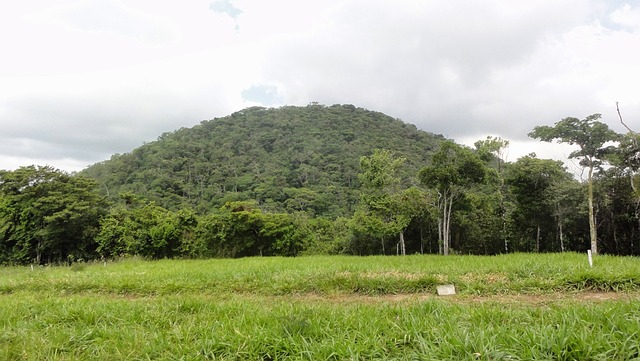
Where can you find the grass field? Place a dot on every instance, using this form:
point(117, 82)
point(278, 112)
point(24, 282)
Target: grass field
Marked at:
point(512, 307)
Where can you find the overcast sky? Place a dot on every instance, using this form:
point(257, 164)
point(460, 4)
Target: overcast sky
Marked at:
point(82, 80)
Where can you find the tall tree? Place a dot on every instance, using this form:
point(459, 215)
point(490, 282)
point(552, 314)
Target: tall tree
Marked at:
point(491, 150)
point(380, 187)
point(453, 170)
point(590, 135)
point(627, 159)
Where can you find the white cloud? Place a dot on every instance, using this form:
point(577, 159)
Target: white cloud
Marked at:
point(627, 17)
point(110, 16)
point(83, 80)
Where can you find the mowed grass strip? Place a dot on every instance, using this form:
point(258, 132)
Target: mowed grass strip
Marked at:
point(472, 275)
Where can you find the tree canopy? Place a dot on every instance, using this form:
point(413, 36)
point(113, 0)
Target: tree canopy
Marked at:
point(453, 170)
point(47, 215)
point(286, 159)
point(591, 136)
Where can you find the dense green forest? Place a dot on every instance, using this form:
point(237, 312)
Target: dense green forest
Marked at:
point(325, 180)
point(287, 159)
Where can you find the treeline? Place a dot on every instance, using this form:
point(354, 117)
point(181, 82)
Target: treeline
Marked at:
point(466, 200)
point(49, 216)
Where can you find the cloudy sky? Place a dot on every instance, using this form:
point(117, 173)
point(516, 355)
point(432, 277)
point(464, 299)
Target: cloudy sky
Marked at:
point(82, 80)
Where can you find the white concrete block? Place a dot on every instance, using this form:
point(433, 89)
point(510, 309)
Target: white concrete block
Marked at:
point(446, 290)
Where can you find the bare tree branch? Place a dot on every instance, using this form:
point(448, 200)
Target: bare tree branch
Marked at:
point(621, 121)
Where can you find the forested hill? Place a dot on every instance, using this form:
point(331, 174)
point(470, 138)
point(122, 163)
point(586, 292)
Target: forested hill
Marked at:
point(289, 158)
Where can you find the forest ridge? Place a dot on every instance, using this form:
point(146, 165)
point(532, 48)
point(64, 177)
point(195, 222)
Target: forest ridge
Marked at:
point(287, 159)
point(324, 180)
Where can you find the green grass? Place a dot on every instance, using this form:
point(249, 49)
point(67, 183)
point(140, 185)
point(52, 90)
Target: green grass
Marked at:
point(472, 275)
point(323, 308)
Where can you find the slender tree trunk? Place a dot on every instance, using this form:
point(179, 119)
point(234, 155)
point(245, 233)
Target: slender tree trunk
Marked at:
point(38, 253)
point(444, 223)
point(615, 236)
point(504, 233)
point(637, 214)
point(558, 216)
point(538, 240)
point(441, 218)
point(447, 224)
point(632, 244)
point(440, 234)
point(421, 241)
point(593, 232)
point(503, 213)
point(445, 228)
point(561, 236)
point(402, 248)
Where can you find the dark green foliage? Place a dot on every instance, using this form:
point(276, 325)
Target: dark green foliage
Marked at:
point(454, 170)
point(324, 180)
point(617, 203)
point(479, 224)
point(47, 215)
point(537, 187)
point(590, 135)
point(149, 231)
point(287, 159)
point(241, 229)
point(238, 229)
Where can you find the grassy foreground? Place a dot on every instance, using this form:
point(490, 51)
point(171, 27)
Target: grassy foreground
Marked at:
point(512, 307)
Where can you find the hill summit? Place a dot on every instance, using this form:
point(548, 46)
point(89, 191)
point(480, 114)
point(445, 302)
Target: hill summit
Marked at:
point(290, 158)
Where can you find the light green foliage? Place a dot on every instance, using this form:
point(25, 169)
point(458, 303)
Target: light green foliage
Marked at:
point(238, 229)
point(492, 150)
point(379, 176)
point(387, 208)
point(382, 216)
point(370, 233)
point(325, 236)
